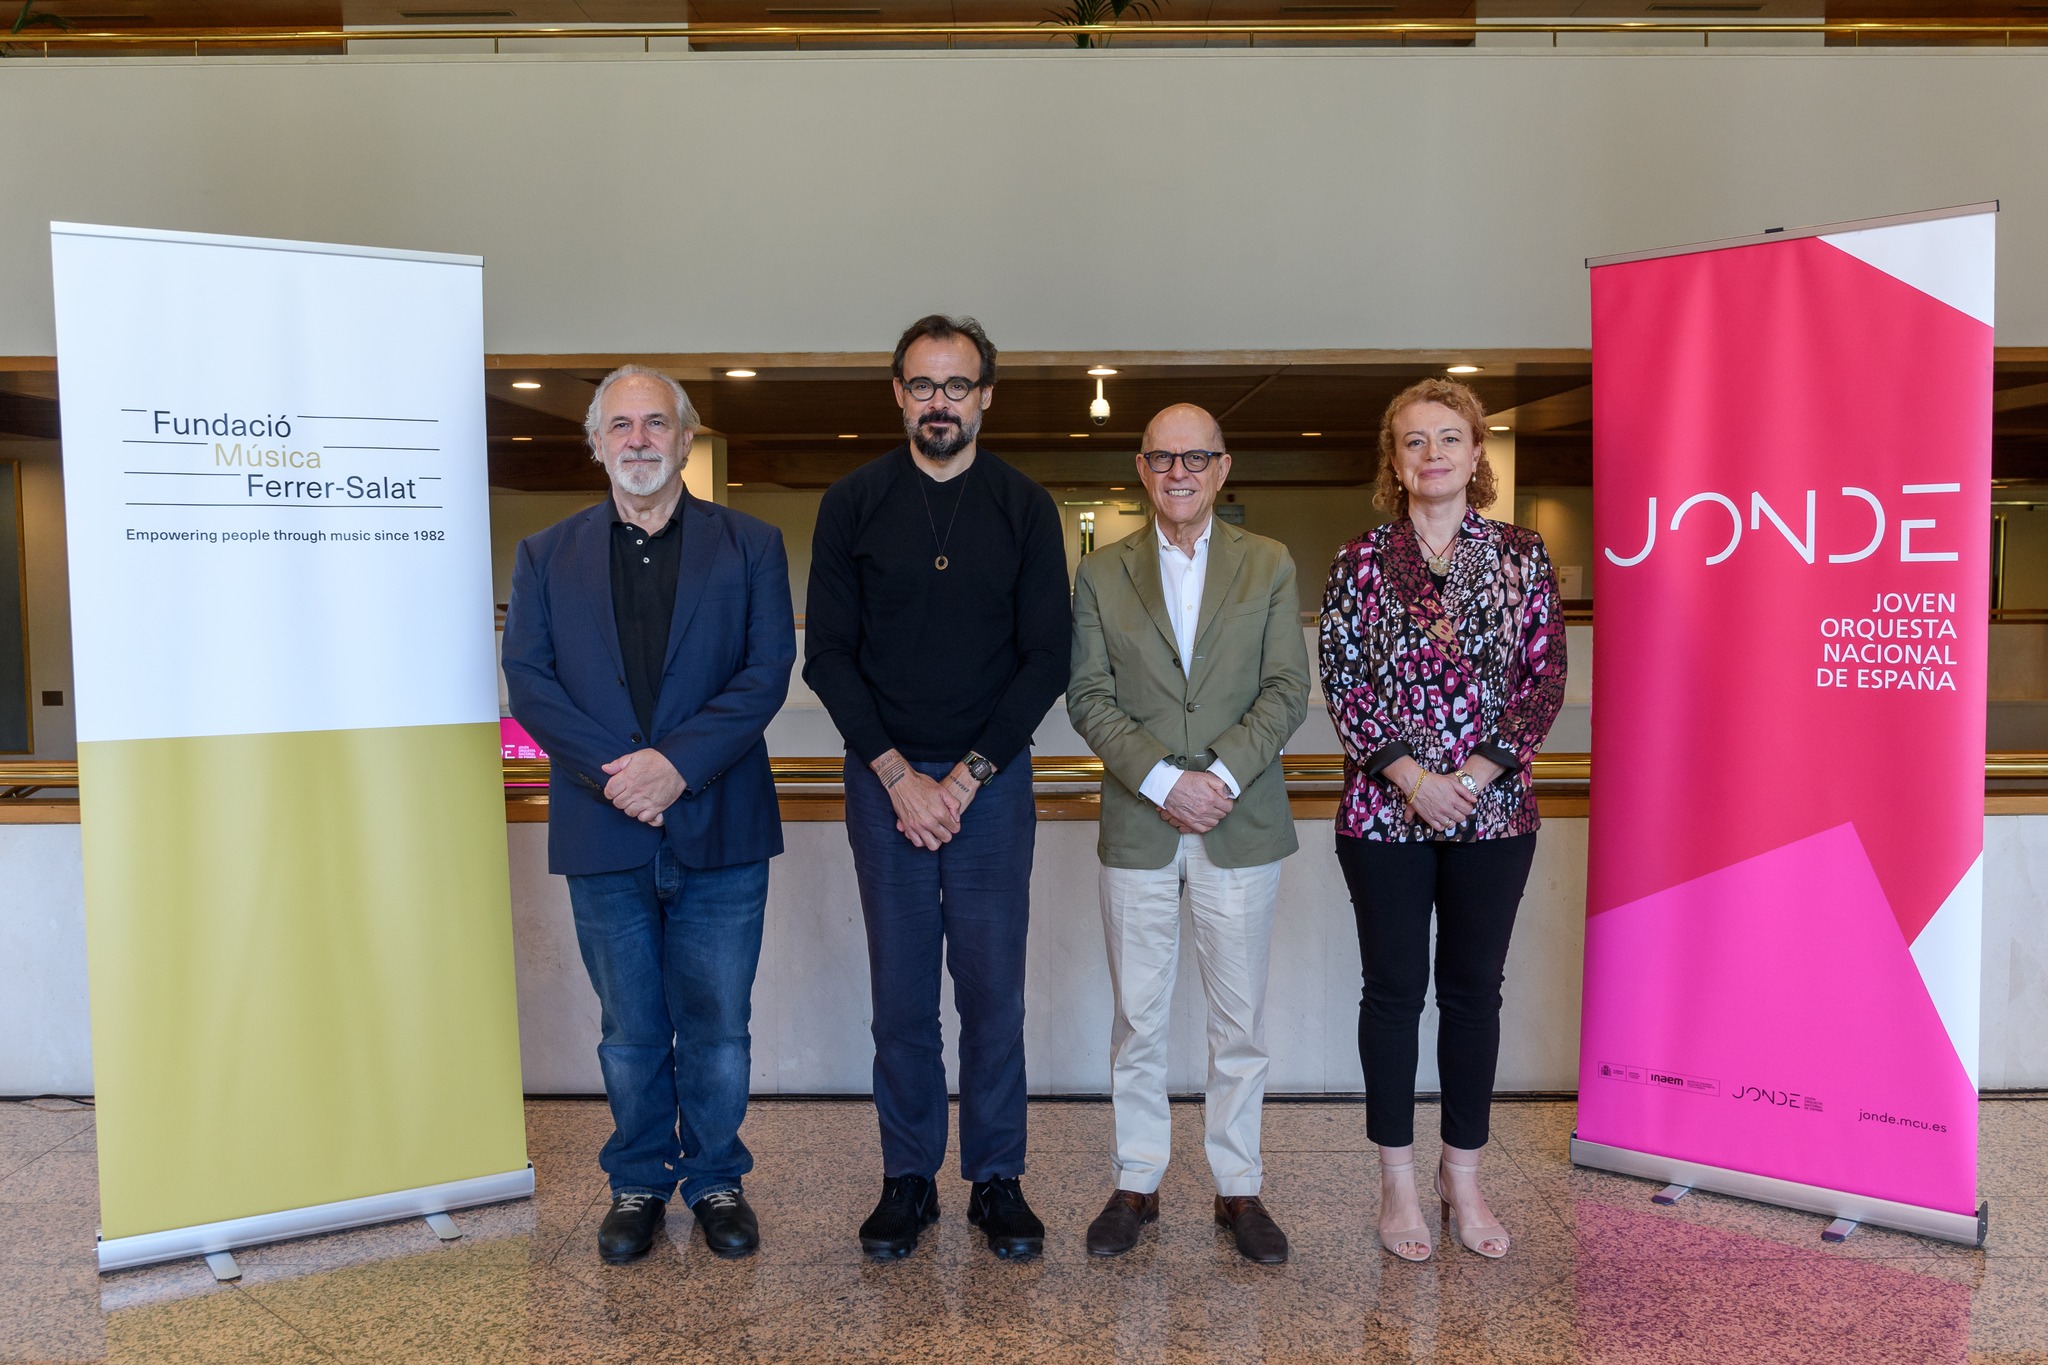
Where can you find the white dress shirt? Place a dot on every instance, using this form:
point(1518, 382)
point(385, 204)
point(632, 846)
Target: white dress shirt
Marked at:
point(1181, 577)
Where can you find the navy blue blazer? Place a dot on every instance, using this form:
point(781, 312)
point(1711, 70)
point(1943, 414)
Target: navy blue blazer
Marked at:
point(731, 645)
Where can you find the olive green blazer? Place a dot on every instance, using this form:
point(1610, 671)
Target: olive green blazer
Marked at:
point(1245, 694)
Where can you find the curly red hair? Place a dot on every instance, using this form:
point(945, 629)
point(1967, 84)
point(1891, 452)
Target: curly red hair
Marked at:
point(1387, 493)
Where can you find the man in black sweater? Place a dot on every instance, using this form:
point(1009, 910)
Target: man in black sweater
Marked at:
point(937, 635)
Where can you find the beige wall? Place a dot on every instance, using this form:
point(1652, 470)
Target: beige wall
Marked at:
point(1314, 523)
point(514, 517)
point(811, 1001)
point(49, 596)
point(2026, 547)
point(1183, 200)
point(1564, 518)
point(792, 511)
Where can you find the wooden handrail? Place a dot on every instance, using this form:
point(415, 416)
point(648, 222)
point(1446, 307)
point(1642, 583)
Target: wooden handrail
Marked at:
point(56, 40)
point(525, 774)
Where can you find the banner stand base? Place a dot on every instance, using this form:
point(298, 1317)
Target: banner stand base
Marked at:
point(1852, 1208)
point(216, 1239)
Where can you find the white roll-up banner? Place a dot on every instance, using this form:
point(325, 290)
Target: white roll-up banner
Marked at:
point(297, 904)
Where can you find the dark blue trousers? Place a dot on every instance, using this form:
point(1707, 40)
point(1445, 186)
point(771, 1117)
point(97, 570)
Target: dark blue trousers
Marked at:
point(971, 901)
point(671, 952)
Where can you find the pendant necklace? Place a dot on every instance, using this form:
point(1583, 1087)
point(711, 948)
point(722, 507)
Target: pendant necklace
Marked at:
point(1439, 563)
point(940, 561)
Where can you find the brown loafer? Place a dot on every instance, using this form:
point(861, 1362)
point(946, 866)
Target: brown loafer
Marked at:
point(1115, 1229)
point(1258, 1237)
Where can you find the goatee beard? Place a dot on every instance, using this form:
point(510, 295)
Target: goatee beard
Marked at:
point(941, 441)
point(643, 483)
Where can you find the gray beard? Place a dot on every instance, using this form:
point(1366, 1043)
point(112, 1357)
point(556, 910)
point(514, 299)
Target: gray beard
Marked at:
point(944, 442)
point(644, 485)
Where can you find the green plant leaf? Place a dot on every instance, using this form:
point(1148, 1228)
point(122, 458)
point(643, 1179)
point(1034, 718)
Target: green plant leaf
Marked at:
point(1096, 13)
point(28, 19)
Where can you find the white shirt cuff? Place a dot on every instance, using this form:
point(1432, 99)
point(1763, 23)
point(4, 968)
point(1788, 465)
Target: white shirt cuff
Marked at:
point(1158, 784)
point(1217, 770)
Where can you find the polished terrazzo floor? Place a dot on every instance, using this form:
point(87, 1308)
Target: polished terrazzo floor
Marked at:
point(1598, 1272)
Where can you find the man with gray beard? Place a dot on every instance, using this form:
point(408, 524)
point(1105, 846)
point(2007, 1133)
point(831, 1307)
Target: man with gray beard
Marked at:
point(937, 634)
point(647, 645)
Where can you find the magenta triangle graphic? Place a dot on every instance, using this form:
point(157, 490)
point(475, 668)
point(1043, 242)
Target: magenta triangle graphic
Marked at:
point(1769, 1017)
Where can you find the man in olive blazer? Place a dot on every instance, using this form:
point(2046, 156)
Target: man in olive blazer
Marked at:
point(1189, 674)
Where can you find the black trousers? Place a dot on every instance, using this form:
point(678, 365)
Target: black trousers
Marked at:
point(1475, 889)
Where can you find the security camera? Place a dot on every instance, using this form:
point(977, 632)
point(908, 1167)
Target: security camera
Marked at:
point(1098, 411)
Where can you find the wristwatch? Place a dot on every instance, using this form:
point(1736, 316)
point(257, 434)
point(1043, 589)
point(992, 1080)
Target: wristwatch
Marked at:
point(1467, 781)
point(978, 768)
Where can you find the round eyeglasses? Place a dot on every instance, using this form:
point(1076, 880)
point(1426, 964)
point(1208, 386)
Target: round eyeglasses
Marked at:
point(1193, 461)
point(955, 388)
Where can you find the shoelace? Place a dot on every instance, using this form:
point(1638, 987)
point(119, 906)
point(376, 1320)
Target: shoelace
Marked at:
point(723, 1201)
point(631, 1203)
point(1005, 1191)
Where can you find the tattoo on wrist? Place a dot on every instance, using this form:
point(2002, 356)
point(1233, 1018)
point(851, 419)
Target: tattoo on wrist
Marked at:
point(894, 775)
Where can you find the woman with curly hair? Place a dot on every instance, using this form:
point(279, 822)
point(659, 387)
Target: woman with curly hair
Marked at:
point(1443, 663)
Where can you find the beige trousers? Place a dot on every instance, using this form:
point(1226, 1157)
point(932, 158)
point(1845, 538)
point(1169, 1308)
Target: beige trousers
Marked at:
point(1233, 920)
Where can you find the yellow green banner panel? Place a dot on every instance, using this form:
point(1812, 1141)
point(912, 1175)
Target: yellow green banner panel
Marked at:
point(302, 979)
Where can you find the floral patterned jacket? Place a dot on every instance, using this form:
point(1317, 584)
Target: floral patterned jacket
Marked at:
point(1438, 673)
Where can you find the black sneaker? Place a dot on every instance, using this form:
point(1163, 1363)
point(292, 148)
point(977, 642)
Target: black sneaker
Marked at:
point(909, 1205)
point(628, 1230)
point(730, 1229)
point(997, 1207)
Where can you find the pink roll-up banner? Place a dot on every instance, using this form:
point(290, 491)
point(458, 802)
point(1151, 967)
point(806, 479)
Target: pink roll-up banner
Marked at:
point(1791, 494)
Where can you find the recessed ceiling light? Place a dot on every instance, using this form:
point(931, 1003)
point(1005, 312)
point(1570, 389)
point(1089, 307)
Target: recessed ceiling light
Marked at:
point(1077, 435)
point(739, 374)
point(730, 484)
point(522, 438)
point(1502, 427)
point(1461, 369)
point(526, 383)
point(1311, 433)
point(849, 436)
point(1100, 370)
point(1116, 488)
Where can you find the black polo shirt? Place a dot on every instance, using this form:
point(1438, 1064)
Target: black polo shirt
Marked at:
point(645, 566)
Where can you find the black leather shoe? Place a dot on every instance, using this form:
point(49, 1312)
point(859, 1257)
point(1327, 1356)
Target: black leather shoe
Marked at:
point(628, 1230)
point(1258, 1237)
point(730, 1229)
point(908, 1206)
point(997, 1207)
point(1115, 1230)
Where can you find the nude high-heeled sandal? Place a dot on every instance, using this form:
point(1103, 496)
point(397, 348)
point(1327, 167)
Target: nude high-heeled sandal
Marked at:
point(1473, 1239)
point(1405, 1236)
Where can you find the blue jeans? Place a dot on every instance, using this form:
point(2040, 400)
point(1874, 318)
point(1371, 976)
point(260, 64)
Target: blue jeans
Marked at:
point(671, 952)
point(973, 899)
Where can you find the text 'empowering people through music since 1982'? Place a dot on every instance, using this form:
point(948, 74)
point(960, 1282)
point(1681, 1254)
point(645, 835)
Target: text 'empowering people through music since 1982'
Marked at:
point(1905, 643)
point(205, 536)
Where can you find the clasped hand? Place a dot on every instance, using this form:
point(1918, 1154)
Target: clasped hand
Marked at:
point(1442, 803)
point(1197, 803)
point(643, 784)
point(927, 812)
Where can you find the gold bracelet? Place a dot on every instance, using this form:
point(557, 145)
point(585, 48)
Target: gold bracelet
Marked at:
point(1416, 790)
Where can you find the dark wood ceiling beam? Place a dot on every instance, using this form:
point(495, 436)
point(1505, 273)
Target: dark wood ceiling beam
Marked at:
point(1571, 408)
point(24, 415)
point(1253, 392)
